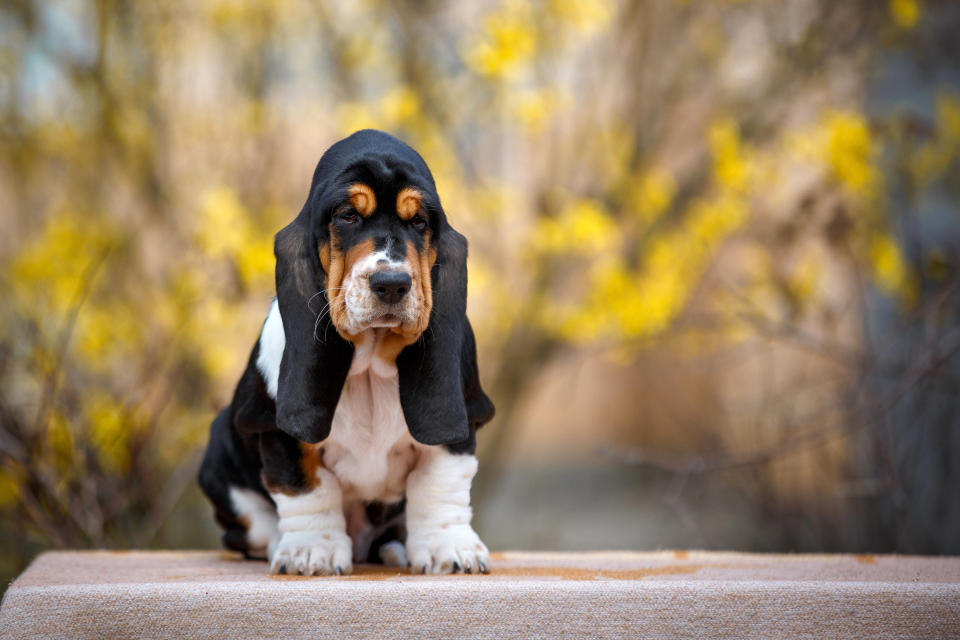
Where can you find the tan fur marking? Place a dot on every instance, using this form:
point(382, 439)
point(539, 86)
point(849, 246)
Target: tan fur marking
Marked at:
point(334, 266)
point(335, 271)
point(324, 253)
point(362, 198)
point(408, 203)
point(341, 264)
point(399, 337)
point(285, 490)
point(311, 459)
point(357, 252)
point(427, 257)
point(391, 346)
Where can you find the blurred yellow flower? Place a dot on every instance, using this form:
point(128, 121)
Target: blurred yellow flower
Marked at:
point(805, 277)
point(890, 271)
point(226, 231)
point(585, 15)
point(709, 221)
point(223, 222)
point(905, 13)
point(108, 429)
point(651, 194)
point(625, 304)
point(106, 330)
point(534, 108)
point(50, 270)
point(255, 260)
point(850, 152)
point(506, 42)
point(399, 105)
point(730, 165)
point(583, 228)
point(354, 116)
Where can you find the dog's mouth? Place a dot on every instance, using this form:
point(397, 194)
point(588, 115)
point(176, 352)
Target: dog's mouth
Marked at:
point(385, 320)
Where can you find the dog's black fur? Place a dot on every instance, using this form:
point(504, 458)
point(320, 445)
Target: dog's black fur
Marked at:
point(255, 441)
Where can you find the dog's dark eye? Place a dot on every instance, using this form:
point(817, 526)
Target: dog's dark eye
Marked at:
point(419, 223)
point(348, 217)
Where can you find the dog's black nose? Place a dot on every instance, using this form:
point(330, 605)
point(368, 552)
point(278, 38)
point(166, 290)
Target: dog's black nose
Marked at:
point(390, 286)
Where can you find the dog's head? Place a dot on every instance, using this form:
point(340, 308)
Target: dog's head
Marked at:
point(372, 249)
point(377, 254)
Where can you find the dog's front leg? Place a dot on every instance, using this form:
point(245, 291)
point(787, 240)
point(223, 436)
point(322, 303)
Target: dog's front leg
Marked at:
point(439, 536)
point(311, 529)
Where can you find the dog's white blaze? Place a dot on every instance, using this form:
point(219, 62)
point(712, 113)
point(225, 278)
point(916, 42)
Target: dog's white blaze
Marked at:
point(270, 353)
point(260, 516)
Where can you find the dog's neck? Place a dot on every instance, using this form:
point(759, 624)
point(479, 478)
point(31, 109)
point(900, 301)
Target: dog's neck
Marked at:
point(367, 355)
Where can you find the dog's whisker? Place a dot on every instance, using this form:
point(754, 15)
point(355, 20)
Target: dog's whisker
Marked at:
point(327, 327)
point(321, 292)
point(316, 324)
point(310, 301)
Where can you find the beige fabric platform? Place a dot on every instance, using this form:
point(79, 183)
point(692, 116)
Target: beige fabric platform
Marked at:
point(617, 595)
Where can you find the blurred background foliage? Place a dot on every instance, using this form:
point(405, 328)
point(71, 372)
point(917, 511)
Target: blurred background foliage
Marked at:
point(713, 264)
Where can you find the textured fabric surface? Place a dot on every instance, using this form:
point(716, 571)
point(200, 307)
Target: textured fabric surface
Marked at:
point(610, 594)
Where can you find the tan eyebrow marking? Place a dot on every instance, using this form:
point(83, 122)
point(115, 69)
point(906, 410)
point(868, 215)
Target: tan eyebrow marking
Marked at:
point(362, 198)
point(408, 202)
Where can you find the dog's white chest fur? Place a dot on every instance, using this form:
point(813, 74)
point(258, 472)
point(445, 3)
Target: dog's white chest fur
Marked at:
point(369, 449)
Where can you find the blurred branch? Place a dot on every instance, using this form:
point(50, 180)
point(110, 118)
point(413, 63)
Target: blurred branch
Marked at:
point(178, 482)
point(84, 287)
point(683, 468)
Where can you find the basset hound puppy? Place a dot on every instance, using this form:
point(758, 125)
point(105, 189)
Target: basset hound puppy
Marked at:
point(351, 434)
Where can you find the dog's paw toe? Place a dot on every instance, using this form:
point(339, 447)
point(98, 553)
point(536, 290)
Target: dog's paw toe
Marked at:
point(455, 549)
point(312, 553)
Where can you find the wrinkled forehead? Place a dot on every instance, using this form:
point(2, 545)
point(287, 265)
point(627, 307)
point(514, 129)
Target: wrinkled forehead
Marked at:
point(382, 184)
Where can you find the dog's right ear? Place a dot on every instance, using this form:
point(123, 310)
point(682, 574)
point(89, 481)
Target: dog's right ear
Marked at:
point(315, 359)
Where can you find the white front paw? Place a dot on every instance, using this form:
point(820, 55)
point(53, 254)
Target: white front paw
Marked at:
point(451, 549)
point(322, 552)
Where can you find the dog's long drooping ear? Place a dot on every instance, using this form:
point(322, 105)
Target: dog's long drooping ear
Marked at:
point(432, 390)
point(480, 408)
point(315, 360)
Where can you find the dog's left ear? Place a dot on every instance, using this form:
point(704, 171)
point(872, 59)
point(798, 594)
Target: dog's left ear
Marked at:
point(433, 383)
point(315, 359)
